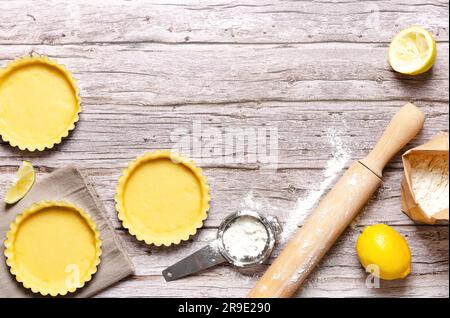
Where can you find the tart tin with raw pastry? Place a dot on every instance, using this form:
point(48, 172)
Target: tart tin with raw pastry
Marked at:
point(53, 248)
point(39, 103)
point(162, 198)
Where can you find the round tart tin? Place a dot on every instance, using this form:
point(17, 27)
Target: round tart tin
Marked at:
point(39, 103)
point(53, 248)
point(162, 198)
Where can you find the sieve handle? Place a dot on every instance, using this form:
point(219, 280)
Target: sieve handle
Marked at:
point(204, 258)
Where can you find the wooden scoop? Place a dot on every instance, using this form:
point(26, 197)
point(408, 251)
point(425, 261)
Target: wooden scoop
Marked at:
point(338, 208)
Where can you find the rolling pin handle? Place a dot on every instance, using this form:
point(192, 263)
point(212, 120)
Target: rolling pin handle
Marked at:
point(403, 127)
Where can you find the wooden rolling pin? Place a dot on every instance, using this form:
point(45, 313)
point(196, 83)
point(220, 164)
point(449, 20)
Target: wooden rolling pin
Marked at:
point(335, 212)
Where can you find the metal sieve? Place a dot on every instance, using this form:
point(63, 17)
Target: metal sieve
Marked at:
point(216, 253)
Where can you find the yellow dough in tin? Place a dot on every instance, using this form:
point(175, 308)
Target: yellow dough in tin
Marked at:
point(53, 248)
point(39, 103)
point(162, 198)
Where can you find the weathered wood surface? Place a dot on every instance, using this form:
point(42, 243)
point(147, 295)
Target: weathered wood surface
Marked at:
point(147, 68)
point(218, 21)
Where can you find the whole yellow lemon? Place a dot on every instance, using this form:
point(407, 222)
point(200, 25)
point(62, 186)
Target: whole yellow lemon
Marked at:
point(384, 252)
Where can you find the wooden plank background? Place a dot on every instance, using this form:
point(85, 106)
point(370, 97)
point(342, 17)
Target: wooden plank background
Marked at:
point(147, 68)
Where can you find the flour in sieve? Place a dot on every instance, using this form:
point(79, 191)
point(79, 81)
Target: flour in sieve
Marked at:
point(245, 238)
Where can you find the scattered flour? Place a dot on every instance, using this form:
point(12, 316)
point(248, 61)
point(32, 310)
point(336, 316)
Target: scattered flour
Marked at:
point(340, 155)
point(353, 180)
point(250, 203)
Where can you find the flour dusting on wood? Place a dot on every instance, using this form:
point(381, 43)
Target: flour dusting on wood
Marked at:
point(340, 155)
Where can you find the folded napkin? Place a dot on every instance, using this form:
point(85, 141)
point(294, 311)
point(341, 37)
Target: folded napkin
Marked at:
point(67, 184)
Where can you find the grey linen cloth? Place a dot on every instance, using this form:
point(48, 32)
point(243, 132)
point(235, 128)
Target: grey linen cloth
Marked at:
point(67, 184)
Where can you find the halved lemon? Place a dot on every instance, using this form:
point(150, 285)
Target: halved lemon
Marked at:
point(25, 178)
point(412, 51)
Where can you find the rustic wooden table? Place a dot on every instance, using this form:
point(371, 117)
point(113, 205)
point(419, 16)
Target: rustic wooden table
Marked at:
point(311, 74)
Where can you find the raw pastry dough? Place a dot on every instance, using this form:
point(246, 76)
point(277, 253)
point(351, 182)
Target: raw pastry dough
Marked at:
point(39, 103)
point(162, 198)
point(53, 248)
